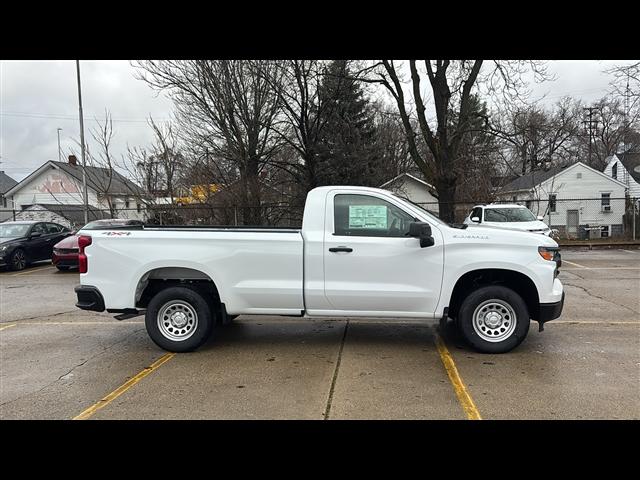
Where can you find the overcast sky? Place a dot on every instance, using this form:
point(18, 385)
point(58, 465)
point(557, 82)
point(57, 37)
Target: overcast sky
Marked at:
point(37, 97)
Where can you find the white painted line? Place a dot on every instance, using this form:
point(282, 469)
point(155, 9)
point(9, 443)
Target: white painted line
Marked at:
point(630, 251)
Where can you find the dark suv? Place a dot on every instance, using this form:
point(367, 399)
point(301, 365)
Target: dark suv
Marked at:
point(22, 243)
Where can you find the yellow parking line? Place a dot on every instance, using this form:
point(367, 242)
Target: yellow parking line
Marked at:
point(8, 326)
point(39, 269)
point(463, 395)
point(123, 388)
point(576, 264)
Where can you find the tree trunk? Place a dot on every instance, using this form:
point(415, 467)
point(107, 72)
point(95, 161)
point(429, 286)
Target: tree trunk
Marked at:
point(446, 188)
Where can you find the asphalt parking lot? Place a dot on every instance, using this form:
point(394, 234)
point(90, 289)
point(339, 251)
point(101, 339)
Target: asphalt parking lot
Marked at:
point(58, 362)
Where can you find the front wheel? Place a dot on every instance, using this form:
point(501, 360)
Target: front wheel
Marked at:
point(494, 319)
point(18, 260)
point(179, 319)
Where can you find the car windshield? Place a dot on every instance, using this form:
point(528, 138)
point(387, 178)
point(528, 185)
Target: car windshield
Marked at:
point(508, 215)
point(426, 212)
point(14, 230)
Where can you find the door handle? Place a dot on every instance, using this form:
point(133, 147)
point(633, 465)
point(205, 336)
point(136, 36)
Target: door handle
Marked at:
point(341, 249)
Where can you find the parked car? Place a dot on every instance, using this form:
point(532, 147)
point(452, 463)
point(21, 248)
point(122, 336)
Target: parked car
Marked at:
point(361, 252)
point(507, 215)
point(25, 242)
point(65, 252)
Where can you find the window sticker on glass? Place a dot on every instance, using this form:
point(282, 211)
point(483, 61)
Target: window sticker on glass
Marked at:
point(368, 216)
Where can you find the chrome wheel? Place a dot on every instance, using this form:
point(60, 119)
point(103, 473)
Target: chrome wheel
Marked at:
point(177, 320)
point(494, 320)
point(19, 260)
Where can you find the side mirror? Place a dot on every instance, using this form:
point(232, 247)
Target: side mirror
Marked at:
point(35, 235)
point(475, 219)
point(421, 230)
point(540, 217)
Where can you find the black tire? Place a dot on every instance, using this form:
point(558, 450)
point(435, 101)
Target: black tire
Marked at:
point(18, 260)
point(192, 303)
point(62, 268)
point(497, 299)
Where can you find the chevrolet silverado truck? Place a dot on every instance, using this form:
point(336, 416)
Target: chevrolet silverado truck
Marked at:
point(361, 252)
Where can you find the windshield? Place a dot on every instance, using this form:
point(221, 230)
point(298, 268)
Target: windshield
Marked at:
point(508, 215)
point(14, 230)
point(430, 215)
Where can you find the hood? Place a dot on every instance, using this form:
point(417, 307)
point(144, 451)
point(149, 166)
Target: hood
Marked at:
point(4, 240)
point(68, 242)
point(498, 235)
point(527, 226)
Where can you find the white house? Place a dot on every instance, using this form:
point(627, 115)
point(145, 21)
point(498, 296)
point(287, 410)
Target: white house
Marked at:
point(577, 200)
point(626, 168)
point(414, 189)
point(60, 183)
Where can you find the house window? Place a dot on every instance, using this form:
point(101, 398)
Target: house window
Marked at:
point(126, 204)
point(552, 203)
point(614, 171)
point(579, 175)
point(138, 207)
point(604, 231)
point(605, 201)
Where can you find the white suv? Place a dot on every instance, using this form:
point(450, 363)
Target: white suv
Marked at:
point(507, 215)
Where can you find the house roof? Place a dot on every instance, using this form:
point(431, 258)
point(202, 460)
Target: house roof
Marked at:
point(98, 179)
point(430, 187)
point(6, 182)
point(631, 162)
point(101, 179)
point(74, 213)
point(533, 179)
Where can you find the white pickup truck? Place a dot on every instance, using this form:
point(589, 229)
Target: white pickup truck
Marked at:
point(361, 252)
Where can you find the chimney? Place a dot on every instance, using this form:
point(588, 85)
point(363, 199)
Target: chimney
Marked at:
point(73, 160)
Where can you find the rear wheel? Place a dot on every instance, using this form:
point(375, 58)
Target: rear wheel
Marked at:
point(18, 260)
point(494, 319)
point(179, 319)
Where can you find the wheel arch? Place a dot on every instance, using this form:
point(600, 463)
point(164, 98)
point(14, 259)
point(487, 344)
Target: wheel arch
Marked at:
point(159, 278)
point(512, 279)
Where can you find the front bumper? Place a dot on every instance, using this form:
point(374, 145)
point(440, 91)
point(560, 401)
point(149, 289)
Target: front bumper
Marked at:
point(549, 311)
point(89, 298)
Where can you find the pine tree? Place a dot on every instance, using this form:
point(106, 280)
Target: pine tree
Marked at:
point(347, 151)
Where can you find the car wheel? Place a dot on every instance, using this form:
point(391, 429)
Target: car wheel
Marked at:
point(494, 319)
point(179, 319)
point(18, 259)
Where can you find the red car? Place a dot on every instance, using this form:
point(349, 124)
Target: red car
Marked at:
point(65, 252)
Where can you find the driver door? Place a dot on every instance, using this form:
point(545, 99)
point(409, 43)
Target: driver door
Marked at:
point(372, 267)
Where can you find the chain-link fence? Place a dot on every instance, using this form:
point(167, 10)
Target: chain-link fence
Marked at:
point(574, 219)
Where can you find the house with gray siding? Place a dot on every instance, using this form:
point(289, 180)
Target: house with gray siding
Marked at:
point(413, 188)
point(626, 168)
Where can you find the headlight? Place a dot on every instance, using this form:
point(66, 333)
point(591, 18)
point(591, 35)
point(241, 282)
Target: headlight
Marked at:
point(549, 253)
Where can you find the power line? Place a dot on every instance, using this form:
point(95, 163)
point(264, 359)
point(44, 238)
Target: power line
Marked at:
point(69, 117)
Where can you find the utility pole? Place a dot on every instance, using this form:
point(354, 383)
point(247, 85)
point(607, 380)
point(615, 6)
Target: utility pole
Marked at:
point(59, 151)
point(84, 159)
point(591, 122)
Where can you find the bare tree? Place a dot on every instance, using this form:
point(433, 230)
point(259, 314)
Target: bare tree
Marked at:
point(227, 110)
point(451, 84)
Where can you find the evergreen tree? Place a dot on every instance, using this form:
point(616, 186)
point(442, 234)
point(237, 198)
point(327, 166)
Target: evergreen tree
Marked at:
point(347, 153)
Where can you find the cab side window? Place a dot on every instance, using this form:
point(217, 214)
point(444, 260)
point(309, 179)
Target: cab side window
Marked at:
point(39, 228)
point(366, 216)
